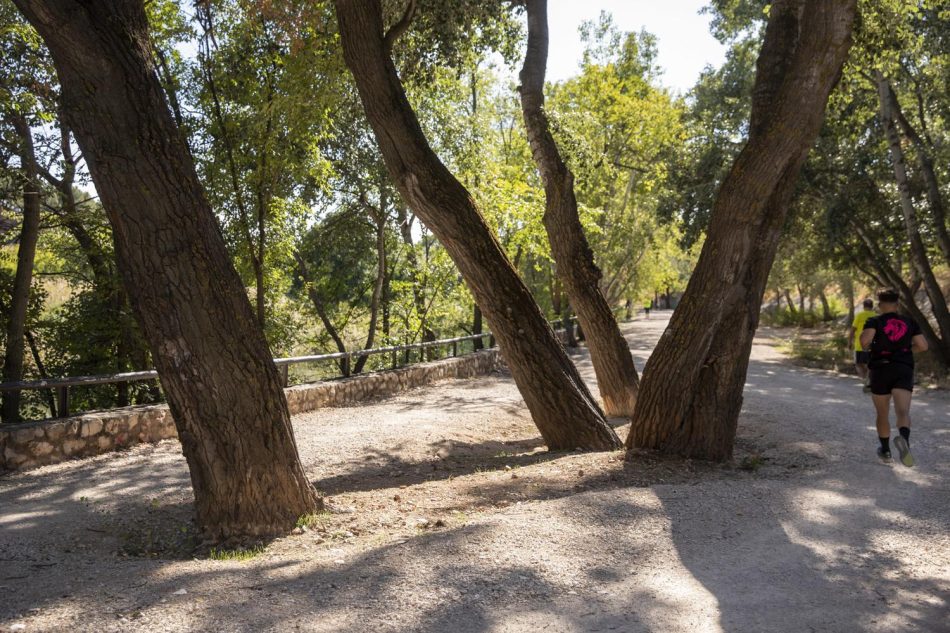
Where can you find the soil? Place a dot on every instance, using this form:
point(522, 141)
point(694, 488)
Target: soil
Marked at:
point(447, 514)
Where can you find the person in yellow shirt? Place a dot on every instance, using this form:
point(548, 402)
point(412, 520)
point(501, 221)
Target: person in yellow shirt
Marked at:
point(861, 356)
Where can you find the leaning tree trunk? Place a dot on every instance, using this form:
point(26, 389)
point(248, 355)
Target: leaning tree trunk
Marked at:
point(609, 353)
point(23, 278)
point(553, 390)
point(691, 392)
point(929, 173)
point(222, 386)
point(918, 251)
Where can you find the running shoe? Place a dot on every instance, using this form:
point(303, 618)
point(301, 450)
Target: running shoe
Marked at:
point(884, 455)
point(904, 449)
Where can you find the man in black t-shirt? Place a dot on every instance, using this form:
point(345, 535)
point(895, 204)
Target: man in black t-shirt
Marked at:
point(892, 340)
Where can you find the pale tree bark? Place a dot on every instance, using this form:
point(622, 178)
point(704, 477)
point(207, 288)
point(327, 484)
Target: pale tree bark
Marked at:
point(924, 158)
point(217, 372)
point(918, 250)
point(553, 390)
point(610, 355)
point(23, 277)
point(691, 392)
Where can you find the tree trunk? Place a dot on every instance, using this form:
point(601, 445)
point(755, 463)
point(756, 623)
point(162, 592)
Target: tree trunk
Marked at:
point(918, 250)
point(849, 296)
point(570, 340)
point(477, 327)
point(825, 307)
point(801, 304)
point(320, 308)
point(934, 196)
point(418, 285)
point(691, 393)
point(222, 386)
point(380, 220)
point(791, 304)
point(609, 353)
point(23, 278)
point(553, 390)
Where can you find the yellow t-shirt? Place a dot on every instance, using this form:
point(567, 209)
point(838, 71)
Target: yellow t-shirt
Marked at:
point(858, 325)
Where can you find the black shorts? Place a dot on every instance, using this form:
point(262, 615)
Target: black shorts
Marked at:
point(891, 376)
point(862, 358)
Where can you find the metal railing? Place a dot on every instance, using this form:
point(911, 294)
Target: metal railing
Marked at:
point(61, 386)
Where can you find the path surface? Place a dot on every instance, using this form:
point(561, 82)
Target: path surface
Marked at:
point(450, 516)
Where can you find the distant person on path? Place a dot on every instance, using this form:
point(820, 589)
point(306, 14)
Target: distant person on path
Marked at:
point(892, 340)
point(646, 308)
point(861, 355)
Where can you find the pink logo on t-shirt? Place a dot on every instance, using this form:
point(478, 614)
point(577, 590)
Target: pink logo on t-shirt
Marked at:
point(895, 330)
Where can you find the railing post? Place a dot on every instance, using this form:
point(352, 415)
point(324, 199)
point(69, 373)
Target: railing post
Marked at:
point(455, 349)
point(62, 393)
point(345, 366)
point(491, 340)
point(124, 399)
point(284, 377)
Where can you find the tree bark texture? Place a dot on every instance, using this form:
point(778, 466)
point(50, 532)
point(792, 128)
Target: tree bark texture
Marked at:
point(691, 393)
point(222, 386)
point(560, 404)
point(617, 377)
point(23, 278)
point(918, 250)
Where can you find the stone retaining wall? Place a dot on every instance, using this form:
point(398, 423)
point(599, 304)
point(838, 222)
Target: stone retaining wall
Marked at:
point(33, 444)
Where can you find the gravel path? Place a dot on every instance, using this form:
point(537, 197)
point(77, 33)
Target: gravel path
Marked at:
point(448, 515)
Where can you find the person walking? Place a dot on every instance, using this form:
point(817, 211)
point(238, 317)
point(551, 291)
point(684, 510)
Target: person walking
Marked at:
point(861, 355)
point(892, 339)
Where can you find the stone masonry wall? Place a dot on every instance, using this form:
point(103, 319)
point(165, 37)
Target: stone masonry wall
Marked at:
point(32, 444)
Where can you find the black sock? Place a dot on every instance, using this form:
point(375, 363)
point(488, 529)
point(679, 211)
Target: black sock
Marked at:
point(885, 444)
point(905, 433)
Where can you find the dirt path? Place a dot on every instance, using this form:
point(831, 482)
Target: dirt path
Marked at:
point(450, 516)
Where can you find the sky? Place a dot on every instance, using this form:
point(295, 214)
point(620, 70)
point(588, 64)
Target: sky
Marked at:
point(684, 42)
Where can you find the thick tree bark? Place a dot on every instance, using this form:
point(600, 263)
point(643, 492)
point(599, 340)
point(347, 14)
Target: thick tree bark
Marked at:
point(23, 278)
point(918, 250)
point(609, 353)
point(554, 392)
point(691, 393)
point(222, 386)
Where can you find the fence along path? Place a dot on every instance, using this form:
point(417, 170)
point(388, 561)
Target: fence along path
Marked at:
point(62, 386)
